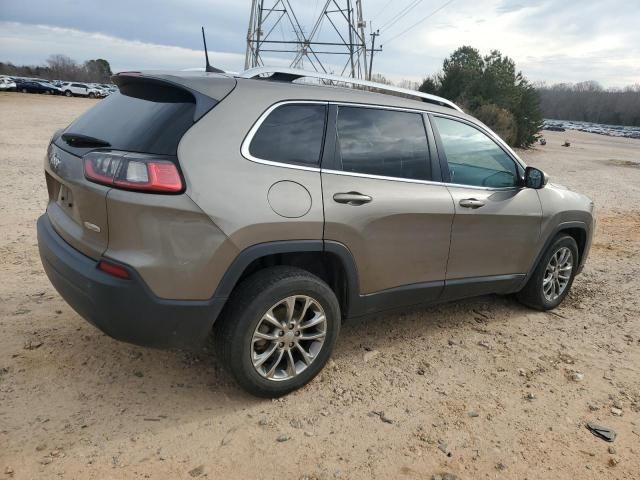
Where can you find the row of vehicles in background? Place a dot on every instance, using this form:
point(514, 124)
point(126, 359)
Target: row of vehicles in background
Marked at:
point(55, 87)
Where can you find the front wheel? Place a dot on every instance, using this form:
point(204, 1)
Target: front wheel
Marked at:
point(67, 93)
point(278, 330)
point(92, 95)
point(553, 277)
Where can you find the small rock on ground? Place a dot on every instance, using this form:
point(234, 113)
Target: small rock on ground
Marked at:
point(196, 472)
point(444, 476)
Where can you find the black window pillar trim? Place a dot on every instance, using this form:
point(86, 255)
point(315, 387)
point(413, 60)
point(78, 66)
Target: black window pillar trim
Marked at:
point(434, 158)
point(330, 160)
point(444, 166)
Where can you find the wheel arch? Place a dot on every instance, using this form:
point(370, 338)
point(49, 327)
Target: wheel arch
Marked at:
point(579, 234)
point(330, 261)
point(578, 230)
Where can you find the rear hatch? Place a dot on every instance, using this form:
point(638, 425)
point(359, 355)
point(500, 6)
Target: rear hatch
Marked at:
point(148, 116)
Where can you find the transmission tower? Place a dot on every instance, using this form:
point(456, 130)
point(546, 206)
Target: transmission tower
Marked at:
point(344, 37)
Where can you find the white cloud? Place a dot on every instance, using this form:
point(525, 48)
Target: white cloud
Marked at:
point(569, 41)
point(32, 44)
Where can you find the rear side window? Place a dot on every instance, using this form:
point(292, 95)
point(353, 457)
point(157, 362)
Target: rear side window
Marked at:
point(145, 118)
point(383, 142)
point(292, 133)
point(473, 158)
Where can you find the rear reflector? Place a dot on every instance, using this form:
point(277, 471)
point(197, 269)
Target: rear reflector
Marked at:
point(132, 171)
point(113, 269)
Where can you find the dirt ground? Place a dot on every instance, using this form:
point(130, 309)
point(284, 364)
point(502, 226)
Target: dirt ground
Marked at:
point(483, 388)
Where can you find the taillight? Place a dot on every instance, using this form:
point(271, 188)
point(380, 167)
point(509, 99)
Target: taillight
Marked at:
point(133, 171)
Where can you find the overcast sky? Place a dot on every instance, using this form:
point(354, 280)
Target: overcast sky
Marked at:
point(552, 40)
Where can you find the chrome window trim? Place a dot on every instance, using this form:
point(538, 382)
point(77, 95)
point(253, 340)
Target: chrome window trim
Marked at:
point(409, 180)
point(247, 141)
point(244, 148)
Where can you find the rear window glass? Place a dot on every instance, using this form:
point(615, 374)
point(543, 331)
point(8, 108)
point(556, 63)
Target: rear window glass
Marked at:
point(292, 133)
point(151, 119)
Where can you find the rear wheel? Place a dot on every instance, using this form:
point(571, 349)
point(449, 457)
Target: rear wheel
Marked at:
point(553, 277)
point(24, 90)
point(278, 330)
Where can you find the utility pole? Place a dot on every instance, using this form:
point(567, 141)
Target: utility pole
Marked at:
point(373, 49)
point(343, 36)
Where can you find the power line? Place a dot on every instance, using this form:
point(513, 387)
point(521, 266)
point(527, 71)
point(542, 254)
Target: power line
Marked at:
point(419, 22)
point(381, 10)
point(401, 14)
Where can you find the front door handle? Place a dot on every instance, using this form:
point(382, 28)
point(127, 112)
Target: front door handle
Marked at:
point(471, 203)
point(352, 198)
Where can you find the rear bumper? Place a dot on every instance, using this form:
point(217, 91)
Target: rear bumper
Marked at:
point(123, 309)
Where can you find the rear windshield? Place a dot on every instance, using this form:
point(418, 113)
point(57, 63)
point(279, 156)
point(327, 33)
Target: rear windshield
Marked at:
point(139, 118)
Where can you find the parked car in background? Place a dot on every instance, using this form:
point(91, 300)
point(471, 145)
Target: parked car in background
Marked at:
point(72, 89)
point(7, 85)
point(100, 91)
point(95, 92)
point(32, 86)
point(46, 83)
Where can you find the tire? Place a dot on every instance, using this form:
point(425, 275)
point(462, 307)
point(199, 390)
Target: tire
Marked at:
point(533, 294)
point(67, 93)
point(92, 95)
point(245, 313)
point(24, 90)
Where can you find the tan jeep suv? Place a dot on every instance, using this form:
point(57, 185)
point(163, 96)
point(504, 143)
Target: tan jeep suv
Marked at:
point(268, 211)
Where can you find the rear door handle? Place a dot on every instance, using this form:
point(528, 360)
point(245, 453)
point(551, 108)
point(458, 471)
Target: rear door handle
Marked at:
point(352, 198)
point(471, 203)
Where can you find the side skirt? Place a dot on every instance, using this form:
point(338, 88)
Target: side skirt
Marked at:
point(428, 293)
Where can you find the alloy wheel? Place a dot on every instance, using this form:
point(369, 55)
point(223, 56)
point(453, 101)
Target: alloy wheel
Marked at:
point(288, 338)
point(557, 274)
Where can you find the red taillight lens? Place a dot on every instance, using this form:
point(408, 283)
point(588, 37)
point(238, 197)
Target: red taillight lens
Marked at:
point(144, 173)
point(113, 269)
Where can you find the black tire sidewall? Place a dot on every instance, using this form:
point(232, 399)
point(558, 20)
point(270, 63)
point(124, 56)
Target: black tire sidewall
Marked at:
point(251, 313)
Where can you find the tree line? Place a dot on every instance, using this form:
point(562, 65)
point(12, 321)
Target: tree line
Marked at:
point(62, 67)
point(490, 88)
point(590, 102)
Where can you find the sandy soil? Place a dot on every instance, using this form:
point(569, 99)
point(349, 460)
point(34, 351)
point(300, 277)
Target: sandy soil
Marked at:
point(483, 388)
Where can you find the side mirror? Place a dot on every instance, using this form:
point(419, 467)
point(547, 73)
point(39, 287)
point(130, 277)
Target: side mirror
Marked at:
point(534, 178)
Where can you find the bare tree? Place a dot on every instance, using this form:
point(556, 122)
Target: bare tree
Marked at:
point(589, 102)
point(61, 66)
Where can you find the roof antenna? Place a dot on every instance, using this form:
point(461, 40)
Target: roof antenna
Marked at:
point(208, 67)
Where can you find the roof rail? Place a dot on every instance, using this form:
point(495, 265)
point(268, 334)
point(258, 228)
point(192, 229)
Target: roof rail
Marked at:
point(291, 74)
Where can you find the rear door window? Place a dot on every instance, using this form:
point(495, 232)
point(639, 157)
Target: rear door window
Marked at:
point(383, 142)
point(292, 133)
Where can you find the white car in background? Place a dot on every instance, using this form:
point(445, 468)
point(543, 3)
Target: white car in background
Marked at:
point(71, 89)
point(7, 84)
